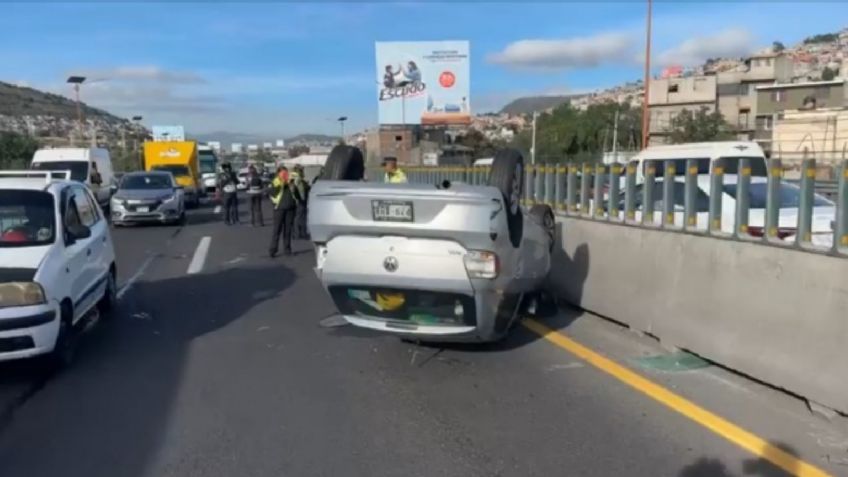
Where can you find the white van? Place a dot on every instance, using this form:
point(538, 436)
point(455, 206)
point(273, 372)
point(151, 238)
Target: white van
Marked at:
point(706, 153)
point(81, 162)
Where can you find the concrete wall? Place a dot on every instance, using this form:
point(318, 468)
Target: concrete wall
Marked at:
point(779, 315)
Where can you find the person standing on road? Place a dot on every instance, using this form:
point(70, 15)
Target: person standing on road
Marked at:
point(227, 184)
point(301, 188)
point(285, 205)
point(393, 174)
point(254, 191)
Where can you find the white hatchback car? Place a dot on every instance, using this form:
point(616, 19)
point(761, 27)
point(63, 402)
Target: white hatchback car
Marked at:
point(58, 264)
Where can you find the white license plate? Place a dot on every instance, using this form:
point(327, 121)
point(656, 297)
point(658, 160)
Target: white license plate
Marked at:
point(142, 209)
point(392, 211)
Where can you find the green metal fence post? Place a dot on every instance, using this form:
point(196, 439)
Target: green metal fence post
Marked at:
point(614, 186)
point(600, 179)
point(805, 207)
point(840, 241)
point(690, 211)
point(668, 193)
point(775, 178)
point(648, 193)
point(539, 184)
point(716, 193)
point(743, 198)
point(630, 191)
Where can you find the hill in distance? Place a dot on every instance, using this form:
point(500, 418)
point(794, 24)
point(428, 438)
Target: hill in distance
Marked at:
point(529, 104)
point(21, 101)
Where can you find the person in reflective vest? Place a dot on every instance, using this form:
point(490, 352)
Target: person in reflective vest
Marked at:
point(393, 174)
point(284, 199)
point(301, 187)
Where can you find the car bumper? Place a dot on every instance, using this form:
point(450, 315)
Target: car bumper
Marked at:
point(157, 216)
point(28, 331)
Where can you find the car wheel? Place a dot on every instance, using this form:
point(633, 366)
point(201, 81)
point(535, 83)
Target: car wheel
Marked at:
point(110, 296)
point(544, 216)
point(64, 349)
point(345, 163)
point(508, 176)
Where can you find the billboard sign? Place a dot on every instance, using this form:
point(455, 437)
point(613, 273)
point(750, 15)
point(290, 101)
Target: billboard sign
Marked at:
point(168, 133)
point(424, 82)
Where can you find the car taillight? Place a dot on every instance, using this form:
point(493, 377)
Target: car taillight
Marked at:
point(480, 264)
point(755, 231)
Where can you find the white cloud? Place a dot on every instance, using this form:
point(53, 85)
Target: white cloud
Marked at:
point(580, 52)
point(729, 43)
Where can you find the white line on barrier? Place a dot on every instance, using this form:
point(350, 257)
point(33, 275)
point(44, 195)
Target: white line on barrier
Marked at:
point(131, 281)
point(199, 258)
point(217, 209)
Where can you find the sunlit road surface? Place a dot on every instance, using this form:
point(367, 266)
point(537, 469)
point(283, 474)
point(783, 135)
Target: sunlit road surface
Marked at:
point(216, 364)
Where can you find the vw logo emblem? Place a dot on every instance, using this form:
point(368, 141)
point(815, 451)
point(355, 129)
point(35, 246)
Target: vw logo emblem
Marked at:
point(390, 264)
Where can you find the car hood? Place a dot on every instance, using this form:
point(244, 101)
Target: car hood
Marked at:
point(21, 263)
point(140, 194)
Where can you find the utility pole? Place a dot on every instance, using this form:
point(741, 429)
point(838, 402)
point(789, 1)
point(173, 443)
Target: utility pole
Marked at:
point(647, 85)
point(533, 145)
point(615, 138)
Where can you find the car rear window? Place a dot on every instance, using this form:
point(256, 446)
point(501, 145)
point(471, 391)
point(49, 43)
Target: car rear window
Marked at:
point(27, 218)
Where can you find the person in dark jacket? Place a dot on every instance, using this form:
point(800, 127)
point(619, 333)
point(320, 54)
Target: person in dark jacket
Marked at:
point(254, 191)
point(302, 188)
point(228, 185)
point(284, 199)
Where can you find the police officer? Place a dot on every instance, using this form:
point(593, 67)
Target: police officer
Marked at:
point(301, 187)
point(285, 205)
point(393, 174)
point(228, 185)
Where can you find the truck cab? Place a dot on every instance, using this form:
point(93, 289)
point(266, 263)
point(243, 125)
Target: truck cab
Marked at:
point(180, 159)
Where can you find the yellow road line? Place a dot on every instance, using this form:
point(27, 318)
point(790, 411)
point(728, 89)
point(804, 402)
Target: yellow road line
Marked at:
point(735, 434)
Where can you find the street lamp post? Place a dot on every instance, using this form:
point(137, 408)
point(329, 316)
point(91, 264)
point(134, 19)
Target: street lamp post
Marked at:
point(647, 85)
point(77, 81)
point(341, 121)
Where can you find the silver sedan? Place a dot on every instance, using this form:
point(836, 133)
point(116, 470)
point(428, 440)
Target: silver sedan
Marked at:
point(148, 197)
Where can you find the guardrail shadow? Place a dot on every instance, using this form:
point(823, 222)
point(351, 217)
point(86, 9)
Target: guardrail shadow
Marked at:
point(111, 412)
point(713, 467)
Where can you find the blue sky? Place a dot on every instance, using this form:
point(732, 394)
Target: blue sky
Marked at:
point(284, 68)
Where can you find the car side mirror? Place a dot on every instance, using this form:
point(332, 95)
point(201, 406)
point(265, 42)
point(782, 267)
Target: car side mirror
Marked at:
point(113, 188)
point(78, 232)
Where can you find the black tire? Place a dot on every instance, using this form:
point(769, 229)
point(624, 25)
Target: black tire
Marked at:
point(508, 176)
point(110, 296)
point(345, 163)
point(64, 350)
point(543, 215)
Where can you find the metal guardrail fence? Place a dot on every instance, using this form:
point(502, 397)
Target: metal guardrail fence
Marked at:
point(611, 193)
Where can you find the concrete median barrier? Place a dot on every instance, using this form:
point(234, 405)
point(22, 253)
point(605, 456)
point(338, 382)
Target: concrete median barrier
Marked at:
point(777, 314)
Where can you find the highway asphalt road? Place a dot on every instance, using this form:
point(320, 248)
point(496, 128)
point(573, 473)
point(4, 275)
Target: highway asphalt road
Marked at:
point(228, 372)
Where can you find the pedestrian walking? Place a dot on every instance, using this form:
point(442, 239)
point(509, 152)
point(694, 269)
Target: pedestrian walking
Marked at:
point(285, 206)
point(227, 184)
point(254, 191)
point(301, 189)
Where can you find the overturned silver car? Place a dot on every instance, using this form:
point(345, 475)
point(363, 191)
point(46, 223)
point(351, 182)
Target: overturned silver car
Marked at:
point(434, 262)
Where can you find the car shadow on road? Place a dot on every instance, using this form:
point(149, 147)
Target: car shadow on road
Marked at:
point(761, 467)
point(110, 414)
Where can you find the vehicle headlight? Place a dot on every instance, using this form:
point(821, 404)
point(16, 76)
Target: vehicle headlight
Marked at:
point(117, 203)
point(21, 294)
point(169, 198)
point(480, 264)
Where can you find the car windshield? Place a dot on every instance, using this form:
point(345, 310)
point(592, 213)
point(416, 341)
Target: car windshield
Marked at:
point(79, 169)
point(27, 218)
point(790, 195)
point(207, 163)
point(174, 169)
point(146, 182)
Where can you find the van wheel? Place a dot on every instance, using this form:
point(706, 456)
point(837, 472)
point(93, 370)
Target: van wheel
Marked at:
point(345, 163)
point(544, 216)
point(110, 296)
point(508, 176)
point(65, 348)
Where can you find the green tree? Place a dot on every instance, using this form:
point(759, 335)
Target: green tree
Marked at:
point(777, 46)
point(699, 126)
point(16, 150)
point(828, 74)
